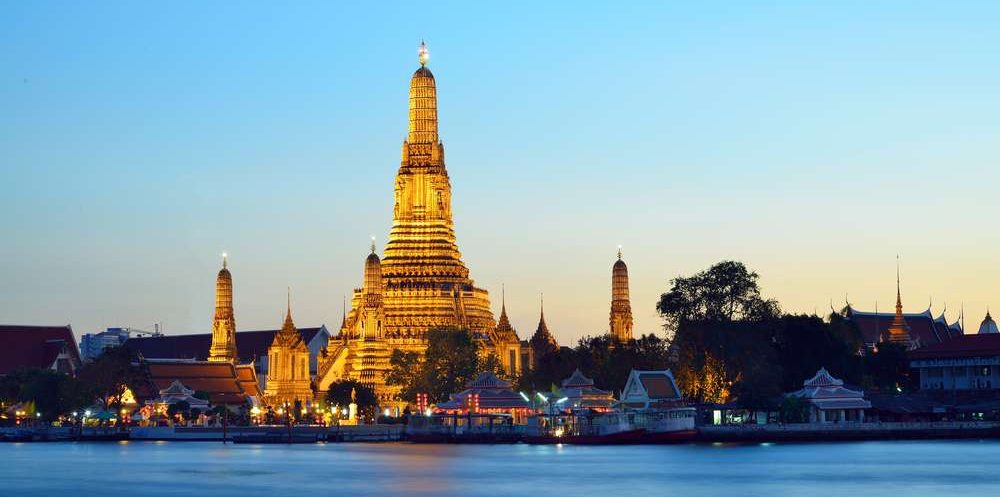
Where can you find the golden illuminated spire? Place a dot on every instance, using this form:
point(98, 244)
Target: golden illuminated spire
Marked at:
point(223, 348)
point(620, 319)
point(423, 107)
point(899, 331)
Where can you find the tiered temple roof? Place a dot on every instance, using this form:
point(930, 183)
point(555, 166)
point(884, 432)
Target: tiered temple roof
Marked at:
point(826, 392)
point(225, 382)
point(582, 394)
point(494, 396)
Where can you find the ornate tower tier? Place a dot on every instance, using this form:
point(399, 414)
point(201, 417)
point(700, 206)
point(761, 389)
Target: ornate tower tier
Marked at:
point(620, 320)
point(223, 347)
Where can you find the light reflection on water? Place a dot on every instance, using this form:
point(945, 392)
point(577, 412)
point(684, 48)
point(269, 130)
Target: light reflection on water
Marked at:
point(168, 469)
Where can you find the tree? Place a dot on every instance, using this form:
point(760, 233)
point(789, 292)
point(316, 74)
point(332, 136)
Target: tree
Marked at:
point(888, 367)
point(109, 375)
point(549, 370)
point(340, 394)
point(806, 343)
point(609, 361)
point(727, 291)
point(406, 372)
point(52, 393)
point(452, 360)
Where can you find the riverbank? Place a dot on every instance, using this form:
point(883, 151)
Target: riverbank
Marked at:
point(395, 433)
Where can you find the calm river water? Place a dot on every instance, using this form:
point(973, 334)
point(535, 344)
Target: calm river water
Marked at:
point(895, 469)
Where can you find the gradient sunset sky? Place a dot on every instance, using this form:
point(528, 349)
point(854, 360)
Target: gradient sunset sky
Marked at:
point(813, 141)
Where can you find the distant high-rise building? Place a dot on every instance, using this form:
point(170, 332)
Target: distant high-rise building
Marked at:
point(93, 344)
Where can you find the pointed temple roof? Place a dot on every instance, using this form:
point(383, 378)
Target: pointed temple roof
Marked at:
point(577, 379)
point(899, 331)
point(988, 325)
point(542, 339)
point(504, 330)
point(289, 336)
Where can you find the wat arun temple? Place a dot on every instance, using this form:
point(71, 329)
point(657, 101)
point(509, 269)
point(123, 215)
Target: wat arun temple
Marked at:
point(420, 283)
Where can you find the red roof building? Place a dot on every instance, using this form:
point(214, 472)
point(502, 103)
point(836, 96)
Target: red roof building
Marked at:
point(924, 329)
point(224, 382)
point(40, 347)
point(487, 394)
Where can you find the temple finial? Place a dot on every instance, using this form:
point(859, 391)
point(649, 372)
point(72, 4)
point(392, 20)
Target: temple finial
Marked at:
point(423, 55)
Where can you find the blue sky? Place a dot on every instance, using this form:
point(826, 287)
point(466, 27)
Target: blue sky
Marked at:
point(813, 141)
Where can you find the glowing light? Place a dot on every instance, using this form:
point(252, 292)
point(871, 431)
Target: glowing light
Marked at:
point(422, 54)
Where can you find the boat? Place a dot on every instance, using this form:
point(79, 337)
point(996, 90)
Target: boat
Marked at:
point(671, 425)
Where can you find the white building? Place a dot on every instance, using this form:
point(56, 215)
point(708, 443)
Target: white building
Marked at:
point(829, 401)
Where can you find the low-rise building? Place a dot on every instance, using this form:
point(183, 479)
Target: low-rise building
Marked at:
point(581, 393)
point(969, 362)
point(830, 401)
point(252, 347)
point(651, 390)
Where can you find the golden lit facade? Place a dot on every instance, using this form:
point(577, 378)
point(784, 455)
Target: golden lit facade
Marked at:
point(223, 347)
point(288, 378)
point(424, 283)
point(620, 320)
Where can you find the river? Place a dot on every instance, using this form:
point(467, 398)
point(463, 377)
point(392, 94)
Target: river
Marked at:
point(883, 469)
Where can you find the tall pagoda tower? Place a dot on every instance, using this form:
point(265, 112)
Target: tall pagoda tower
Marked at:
point(424, 283)
point(223, 347)
point(620, 320)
